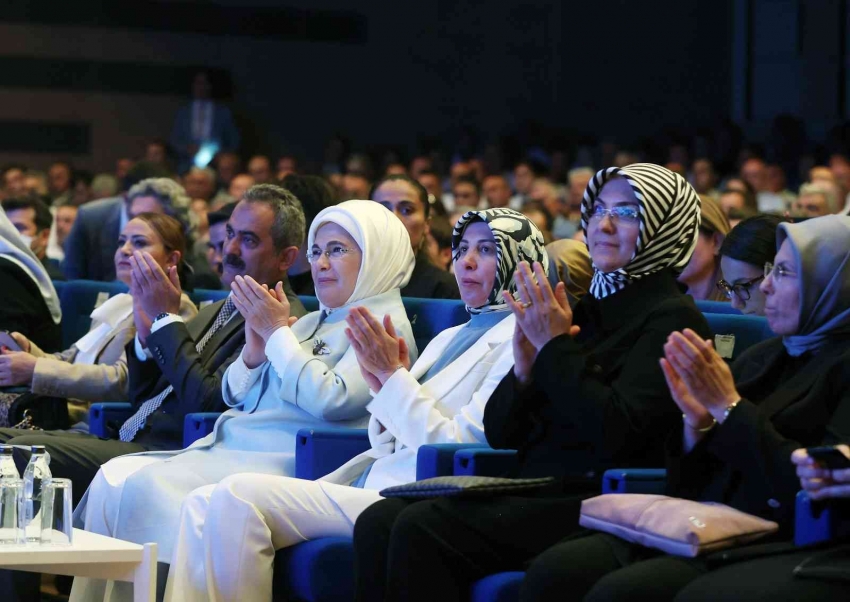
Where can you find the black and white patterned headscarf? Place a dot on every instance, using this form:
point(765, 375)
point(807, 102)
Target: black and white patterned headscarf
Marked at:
point(669, 223)
point(517, 239)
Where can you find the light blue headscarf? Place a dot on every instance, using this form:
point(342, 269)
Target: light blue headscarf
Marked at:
point(821, 247)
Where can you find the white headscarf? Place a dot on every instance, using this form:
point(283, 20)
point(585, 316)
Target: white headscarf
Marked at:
point(387, 255)
point(12, 247)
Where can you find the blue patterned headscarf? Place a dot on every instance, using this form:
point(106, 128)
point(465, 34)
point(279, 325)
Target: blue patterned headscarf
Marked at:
point(517, 239)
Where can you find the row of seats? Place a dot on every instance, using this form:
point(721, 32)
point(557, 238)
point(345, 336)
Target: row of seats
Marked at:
point(300, 571)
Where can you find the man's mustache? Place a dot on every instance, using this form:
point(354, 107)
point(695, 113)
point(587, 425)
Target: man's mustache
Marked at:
point(234, 261)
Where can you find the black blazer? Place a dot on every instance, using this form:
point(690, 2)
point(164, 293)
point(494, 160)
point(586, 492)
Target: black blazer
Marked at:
point(598, 400)
point(787, 403)
point(196, 377)
point(23, 308)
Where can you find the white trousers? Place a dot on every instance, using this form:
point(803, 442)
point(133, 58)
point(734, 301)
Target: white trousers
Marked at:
point(237, 525)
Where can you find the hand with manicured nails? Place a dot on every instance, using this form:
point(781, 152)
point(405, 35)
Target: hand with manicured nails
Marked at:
point(378, 347)
point(542, 313)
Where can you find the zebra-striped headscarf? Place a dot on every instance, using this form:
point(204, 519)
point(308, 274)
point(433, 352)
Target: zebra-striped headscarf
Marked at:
point(669, 223)
point(517, 239)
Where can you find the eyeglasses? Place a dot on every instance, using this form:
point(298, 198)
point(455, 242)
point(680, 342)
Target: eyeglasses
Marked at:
point(335, 252)
point(776, 271)
point(740, 290)
point(625, 214)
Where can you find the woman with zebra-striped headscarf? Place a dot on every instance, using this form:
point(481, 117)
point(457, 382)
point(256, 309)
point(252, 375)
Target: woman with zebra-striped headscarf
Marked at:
point(586, 393)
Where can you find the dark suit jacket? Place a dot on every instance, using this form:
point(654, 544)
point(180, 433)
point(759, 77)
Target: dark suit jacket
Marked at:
point(598, 400)
point(787, 403)
point(196, 378)
point(23, 309)
point(90, 248)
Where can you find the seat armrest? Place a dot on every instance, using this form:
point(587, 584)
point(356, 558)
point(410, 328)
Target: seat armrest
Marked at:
point(102, 414)
point(437, 459)
point(634, 480)
point(815, 522)
point(197, 426)
point(321, 451)
point(484, 462)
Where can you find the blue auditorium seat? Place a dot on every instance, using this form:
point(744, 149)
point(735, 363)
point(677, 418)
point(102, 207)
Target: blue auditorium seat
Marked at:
point(78, 299)
point(428, 317)
point(203, 297)
point(717, 307)
point(102, 414)
point(748, 330)
point(310, 303)
point(501, 587)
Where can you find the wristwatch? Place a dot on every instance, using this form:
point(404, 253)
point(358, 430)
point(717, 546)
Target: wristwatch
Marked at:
point(159, 317)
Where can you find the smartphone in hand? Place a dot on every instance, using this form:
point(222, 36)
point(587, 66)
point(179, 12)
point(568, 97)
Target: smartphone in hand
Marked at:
point(829, 457)
point(8, 342)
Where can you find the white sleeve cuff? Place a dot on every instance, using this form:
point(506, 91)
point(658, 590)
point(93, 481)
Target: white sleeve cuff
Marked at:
point(240, 379)
point(141, 353)
point(165, 322)
point(280, 348)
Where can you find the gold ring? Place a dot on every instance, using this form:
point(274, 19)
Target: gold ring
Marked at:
point(527, 304)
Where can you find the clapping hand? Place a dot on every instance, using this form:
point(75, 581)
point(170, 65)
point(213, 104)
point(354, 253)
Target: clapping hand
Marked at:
point(151, 288)
point(821, 483)
point(699, 379)
point(543, 313)
point(379, 349)
point(264, 311)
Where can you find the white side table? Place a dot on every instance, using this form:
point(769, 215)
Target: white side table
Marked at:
point(91, 555)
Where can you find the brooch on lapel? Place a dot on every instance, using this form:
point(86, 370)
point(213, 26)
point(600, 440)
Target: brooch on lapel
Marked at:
point(320, 348)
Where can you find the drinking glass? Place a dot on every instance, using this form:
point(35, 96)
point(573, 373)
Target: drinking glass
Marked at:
point(56, 512)
point(11, 504)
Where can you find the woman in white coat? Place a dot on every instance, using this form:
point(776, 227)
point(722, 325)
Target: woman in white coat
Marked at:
point(229, 532)
point(290, 375)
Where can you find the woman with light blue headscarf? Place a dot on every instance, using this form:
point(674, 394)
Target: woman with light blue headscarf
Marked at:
point(740, 424)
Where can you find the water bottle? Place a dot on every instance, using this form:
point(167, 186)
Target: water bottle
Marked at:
point(36, 472)
point(8, 470)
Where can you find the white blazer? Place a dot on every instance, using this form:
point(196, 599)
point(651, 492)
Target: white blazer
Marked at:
point(449, 408)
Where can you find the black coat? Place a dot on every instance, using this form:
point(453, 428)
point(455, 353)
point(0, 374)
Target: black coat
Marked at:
point(430, 282)
point(787, 403)
point(599, 400)
point(23, 308)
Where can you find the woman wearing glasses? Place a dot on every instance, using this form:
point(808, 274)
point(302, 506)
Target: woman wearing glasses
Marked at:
point(290, 375)
point(744, 252)
point(741, 424)
point(586, 393)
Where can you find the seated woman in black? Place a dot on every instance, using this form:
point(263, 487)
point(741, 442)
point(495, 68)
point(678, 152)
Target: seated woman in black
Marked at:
point(586, 393)
point(740, 425)
point(28, 301)
point(807, 573)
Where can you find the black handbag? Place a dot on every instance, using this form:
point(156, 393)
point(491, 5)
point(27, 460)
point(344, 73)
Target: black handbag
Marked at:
point(468, 486)
point(31, 411)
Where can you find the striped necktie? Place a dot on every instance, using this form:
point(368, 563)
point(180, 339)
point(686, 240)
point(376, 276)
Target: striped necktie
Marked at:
point(131, 427)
